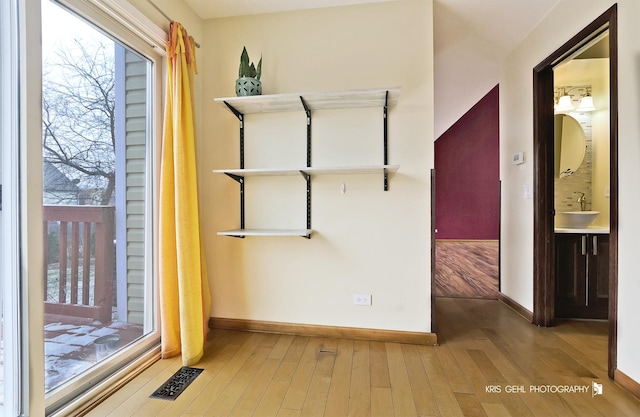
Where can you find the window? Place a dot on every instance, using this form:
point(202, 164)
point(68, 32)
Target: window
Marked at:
point(99, 100)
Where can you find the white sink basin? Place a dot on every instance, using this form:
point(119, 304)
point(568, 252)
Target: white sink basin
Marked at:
point(575, 219)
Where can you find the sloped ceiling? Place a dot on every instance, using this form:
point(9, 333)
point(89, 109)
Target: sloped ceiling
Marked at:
point(208, 9)
point(502, 23)
point(471, 38)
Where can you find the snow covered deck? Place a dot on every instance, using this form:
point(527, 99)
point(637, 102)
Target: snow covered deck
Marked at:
point(69, 344)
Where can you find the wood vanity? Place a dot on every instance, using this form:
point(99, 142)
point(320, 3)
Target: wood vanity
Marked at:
point(582, 273)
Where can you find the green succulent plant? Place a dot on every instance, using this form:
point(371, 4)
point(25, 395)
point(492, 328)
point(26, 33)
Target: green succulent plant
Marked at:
point(249, 70)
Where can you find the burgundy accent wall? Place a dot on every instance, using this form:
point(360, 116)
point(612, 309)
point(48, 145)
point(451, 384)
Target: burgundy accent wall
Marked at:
point(468, 174)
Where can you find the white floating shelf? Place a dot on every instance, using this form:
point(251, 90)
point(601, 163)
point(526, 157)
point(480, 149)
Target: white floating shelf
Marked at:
point(362, 169)
point(267, 232)
point(258, 172)
point(372, 97)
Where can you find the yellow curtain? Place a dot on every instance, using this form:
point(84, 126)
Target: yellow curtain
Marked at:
point(184, 290)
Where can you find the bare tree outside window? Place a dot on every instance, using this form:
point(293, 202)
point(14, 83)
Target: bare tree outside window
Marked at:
point(79, 121)
point(96, 115)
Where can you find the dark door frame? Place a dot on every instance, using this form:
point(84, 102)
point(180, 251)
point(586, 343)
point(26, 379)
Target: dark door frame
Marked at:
point(543, 271)
point(433, 250)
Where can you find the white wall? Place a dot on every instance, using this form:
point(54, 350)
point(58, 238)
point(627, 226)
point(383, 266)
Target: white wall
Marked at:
point(466, 66)
point(177, 10)
point(367, 240)
point(601, 147)
point(629, 200)
point(516, 122)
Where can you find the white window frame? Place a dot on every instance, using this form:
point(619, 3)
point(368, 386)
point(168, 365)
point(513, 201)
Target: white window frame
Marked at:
point(14, 337)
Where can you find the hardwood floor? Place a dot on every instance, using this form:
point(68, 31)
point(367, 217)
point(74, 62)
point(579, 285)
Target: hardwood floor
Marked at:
point(485, 348)
point(467, 269)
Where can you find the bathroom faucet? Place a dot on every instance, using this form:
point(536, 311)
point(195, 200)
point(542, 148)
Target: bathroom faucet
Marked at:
point(581, 200)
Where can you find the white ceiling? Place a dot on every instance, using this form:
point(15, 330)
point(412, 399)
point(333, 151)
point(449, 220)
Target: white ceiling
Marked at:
point(471, 40)
point(208, 9)
point(502, 23)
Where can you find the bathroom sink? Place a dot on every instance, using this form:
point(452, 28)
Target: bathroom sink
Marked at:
point(575, 219)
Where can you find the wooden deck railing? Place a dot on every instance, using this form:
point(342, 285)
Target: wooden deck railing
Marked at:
point(86, 263)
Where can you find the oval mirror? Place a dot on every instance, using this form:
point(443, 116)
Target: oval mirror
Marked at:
point(570, 145)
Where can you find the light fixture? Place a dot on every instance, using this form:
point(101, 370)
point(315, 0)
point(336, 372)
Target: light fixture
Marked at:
point(564, 104)
point(586, 104)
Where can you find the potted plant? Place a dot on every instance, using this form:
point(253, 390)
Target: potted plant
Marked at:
point(248, 82)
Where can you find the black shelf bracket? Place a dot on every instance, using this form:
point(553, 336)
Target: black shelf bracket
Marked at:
point(240, 181)
point(240, 117)
point(386, 140)
point(238, 178)
point(307, 178)
point(235, 177)
point(308, 112)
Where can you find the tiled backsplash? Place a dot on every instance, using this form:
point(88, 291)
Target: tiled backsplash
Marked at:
point(567, 189)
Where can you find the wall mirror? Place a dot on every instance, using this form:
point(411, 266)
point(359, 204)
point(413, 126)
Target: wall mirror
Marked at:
point(570, 145)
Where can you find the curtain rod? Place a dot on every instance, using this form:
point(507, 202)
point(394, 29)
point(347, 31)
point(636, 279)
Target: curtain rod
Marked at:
point(166, 16)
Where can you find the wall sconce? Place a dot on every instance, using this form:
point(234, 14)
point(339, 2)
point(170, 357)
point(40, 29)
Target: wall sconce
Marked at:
point(586, 103)
point(565, 104)
point(564, 99)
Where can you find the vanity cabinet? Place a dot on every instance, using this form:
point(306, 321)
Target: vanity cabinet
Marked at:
point(582, 275)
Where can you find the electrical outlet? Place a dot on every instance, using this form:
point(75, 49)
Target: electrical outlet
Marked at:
point(362, 299)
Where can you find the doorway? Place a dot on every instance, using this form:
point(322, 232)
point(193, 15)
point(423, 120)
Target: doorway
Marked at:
point(544, 308)
point(467, 203)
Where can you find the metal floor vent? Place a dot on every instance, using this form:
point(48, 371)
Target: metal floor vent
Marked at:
point(177, 383)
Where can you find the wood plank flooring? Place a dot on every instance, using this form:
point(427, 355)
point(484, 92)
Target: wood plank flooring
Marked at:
point(467, 269)
point(486, 351)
